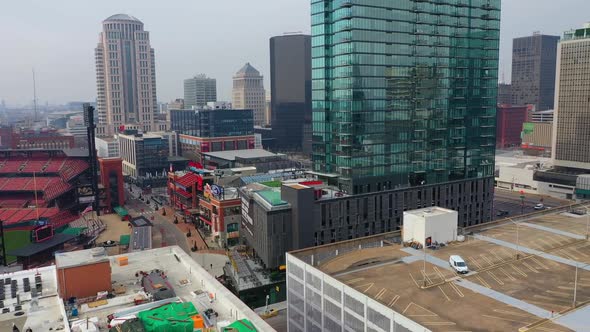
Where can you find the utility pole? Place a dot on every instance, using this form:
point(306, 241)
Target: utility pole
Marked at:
point(34, 97)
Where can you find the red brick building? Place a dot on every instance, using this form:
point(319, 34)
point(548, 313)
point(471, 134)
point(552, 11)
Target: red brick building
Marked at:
point(220, 209)
point(509, 121)
point(46, 138)
point(111, 178)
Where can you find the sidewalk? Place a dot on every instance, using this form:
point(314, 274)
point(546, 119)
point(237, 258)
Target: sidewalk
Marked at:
point(195, 239)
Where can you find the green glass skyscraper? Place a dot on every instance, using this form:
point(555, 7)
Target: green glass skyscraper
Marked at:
point(404, 92)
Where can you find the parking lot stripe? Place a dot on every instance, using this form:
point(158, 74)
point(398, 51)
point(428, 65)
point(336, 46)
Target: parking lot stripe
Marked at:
point(487, 259)
point(457, 290)
point(559, 293)
point(495, 278)
point(565, 287)
point(414, 280)
point(440, 274)
point(544, 297)
point(393, 301)
point(497, 255)
point(547, 244)
point(483, 282)
point(369, 284)
point(352, 281)
point(472, 260)
point(506, 319)
point(512, 313)
point(445, 294)
point(534, 259)
point(530, 267)
point(579, 252)
point(425, 276)
point(568, 254)
point(508, 275)
point(519, 271)
point(438, 323)
point(547, 329)
point(380, 294)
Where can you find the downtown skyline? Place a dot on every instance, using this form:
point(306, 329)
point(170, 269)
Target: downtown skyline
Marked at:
point(47, 42)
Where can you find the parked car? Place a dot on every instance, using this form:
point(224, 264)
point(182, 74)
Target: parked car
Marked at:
point(458, 264)
point(539, 206)
point(502, 213)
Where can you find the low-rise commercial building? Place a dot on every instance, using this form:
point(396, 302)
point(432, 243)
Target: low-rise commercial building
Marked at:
point(147, 154)
point(263, 160)
point(220, 212)
point(537, 138)
point(299, 213)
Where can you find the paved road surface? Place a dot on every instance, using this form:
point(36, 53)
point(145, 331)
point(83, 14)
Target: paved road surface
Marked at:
point(510, 201)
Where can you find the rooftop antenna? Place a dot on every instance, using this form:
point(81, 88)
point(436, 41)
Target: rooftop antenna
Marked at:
point(34, 96)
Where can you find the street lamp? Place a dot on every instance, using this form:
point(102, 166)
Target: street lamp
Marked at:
point(517, 239)
point(587, 223)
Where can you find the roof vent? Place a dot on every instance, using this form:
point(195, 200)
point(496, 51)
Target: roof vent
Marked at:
point(97, 252)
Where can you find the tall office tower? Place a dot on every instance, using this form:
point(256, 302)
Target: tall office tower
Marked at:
point(125, 76)
point(290, 89)
point(533, 70)
point(571, 139)
point(199, 90)
point(504, 93)
point(248, 93)
point(404, 94)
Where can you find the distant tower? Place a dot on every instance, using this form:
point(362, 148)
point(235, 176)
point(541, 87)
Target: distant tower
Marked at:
point(199, 90)
point(125, 76)
point(248, 92)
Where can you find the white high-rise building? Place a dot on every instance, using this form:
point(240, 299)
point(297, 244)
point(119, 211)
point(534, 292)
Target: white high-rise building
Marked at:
point(248, 93)
point(125, 76)
point(571, 137)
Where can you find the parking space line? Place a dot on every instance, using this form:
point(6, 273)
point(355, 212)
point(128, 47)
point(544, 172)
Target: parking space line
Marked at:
point(547, 243)
point(495, 278)
point(483, 282)
point(579, 252)
point(508, 275)
point(471, 260)
point(544, 297)
point(559, 293)
point(438, 323)
point(414, 280)
point(352, 281)
point(497, 255)
point(530, 267)
point(534, 259)
point(456, 289)
point(519, 271)
point(508, 254)
point(547, 329)
point(512, 313)
point(380, 294)
point(429, 313)
point(506, 319)
point(425, 276)
point(440, 274)
point(565, 287)
point(485, 258)
point(568, 254)
point(445, 294)
point(365, 285)
point(393, 301)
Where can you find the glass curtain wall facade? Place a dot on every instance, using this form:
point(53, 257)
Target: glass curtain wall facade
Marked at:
point(404, 92)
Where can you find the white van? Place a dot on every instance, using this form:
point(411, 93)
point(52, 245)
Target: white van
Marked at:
point(458, 264)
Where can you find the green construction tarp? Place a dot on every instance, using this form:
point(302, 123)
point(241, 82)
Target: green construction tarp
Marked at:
point(121, 211)
point(528, 128)
point(124, 240)
point(73, 230)
point(242, 325)
point(172, 317)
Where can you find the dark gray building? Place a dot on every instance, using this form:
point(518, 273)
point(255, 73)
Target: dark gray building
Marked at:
point(212, 122)
point(533, 70)
point(301, 215)
point(199, 90)
point(290, 89)
point(505, 93)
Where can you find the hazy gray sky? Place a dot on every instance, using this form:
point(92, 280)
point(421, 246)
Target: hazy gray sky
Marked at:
point(215, 37)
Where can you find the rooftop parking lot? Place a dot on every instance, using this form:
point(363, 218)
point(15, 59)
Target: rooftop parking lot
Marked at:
point(522, 276)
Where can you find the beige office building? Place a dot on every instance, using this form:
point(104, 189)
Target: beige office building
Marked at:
point(125, 76)
point(571, 125)
point(248, 93)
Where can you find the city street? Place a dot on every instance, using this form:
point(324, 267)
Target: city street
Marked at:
point(510, 201)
